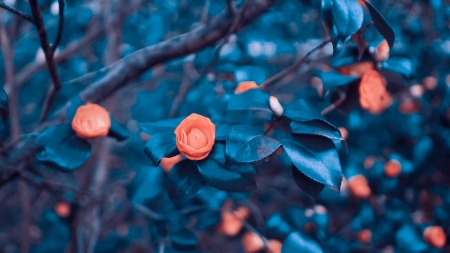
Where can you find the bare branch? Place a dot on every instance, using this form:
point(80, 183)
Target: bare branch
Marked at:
point(17, 12)
point(62, 5)
point(290, 70)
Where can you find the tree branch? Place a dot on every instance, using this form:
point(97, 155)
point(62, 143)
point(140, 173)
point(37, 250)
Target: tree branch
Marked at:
point(290, 70)
point(62, 5)
point(17, 12)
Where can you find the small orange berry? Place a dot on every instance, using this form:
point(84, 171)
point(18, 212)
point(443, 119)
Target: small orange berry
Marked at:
point(344, 132)
point(364, 236)
point(392, 168)
point(252, 242)
point(382, 52)
point(359, 187)
point(62, 209)
point(430, 82)
point(245, 86)
point(435, 236)
point(369, 162)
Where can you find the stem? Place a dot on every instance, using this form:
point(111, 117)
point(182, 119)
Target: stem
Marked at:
point(18, 13)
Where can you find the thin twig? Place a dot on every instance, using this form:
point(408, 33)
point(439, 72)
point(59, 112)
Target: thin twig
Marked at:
point(17, 12)
point(62, 5)
point(49, 53)
point(333, 106)
point(184, 88)
point(290, 70)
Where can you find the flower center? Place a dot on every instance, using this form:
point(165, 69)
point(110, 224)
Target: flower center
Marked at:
point(196, 138)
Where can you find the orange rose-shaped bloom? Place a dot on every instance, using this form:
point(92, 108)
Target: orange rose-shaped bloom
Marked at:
point(382, 53)
point(91, 121)
point(392, 168)
point(357, 69)
point(435, 236)
point(359, 187)
point(195, 136)
point(373, 95)
point(169, 162)
point(245, 86)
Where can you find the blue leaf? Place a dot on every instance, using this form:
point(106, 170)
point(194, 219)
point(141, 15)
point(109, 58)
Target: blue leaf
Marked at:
point(332, 79)
point(247, 143)
point(381, 24)
point(183, 239)
point(160, 146)
point(252, 105)
point(408, 240)
point(150, 184)
point(117, 131)
point(348, 17)
point(60, 147)
point(162, 126)
point(72, 108)
point(277, 227)
point(230, 177)
point(184, 181)
point(315, 157)
point(297, 242)
point(402, 66)
point(316, 127)
point(310, 186)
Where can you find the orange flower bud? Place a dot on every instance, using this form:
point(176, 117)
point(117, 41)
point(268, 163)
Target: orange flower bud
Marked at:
point(364, 236)
point(252, 242)
point(195, 136)
point(359, 187)
point(344, 132)
point(168, 163)
point(231, 223)
point(382, 52)
point(435, 236)
point(357, 69)
point(91, 121)
point(430, 82)
point(62, 209)
point(245, 86)
point(392, 168)
point(372, 92)
point(275, 246)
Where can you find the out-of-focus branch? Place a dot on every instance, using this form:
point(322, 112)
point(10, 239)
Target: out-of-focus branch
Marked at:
point(49, 51)
point(290, 70)
point(11, 90)
point(18, 13)
point(333, 106)
point(62, 5)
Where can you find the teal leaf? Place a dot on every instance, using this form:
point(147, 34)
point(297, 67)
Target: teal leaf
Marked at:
point(297, 242)
point(150, 184)
point(117, 131)
point(247, 143)
point(316, 157)
point(160, 146)
point(401, 66)
point(305, 183)
point(60, 147)
point(348, 17)
point(162, 126)
point(184, 181)
point(183, 239)
point(232, 177)
point(252, 105)
point(72, 108)
point(332, 79)
point(381, 24)
point(316, 127)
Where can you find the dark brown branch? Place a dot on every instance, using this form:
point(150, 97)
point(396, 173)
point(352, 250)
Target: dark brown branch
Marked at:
point(62, 5)
point(17, 12)
point(49, 53)
point(290, 70)
point(333, 106)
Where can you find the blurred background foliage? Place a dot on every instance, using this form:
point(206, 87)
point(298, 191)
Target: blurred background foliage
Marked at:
point(124, 208)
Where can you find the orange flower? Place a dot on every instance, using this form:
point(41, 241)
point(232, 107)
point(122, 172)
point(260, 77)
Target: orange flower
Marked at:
point(435, 236)
point(357, 69)
point(392, 168)
point(245, 86)
point(91, 121)
point(231, 223)
point(195, 136)
point(62, 209)
point(169, 162)
point(359, 187)
point(364, 236)
point(252, 242)
point(382, 53)
point(274, 246)
point(373, 95)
